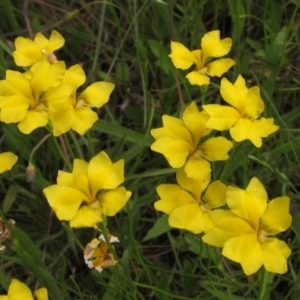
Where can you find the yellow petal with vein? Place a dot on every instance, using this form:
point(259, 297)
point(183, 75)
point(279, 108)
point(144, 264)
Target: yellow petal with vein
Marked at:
point(75, 76)
point(175, 151)
point(197, 78)
point(215, 195)
point(195, 186)
point(172, 196)
point(33, 120)
point(235, 94)
point(216, 148)
point(27, 52)
point(275, 254)
point(219, 67)
point(56, 41)
point(246, 250)
point(13, 108)
point(97, 94)
point(188, 217)
point(113, 201)
point(226, 226)
point(212, 46)
point(265, 127)
point(221, 117)
point(86, 217)
point(276, 217)
point(197, 168)
point(103, 174)
point(247, 205)
point(65, 201)
point(84, 120)
point(245, 129)
point(181, 56)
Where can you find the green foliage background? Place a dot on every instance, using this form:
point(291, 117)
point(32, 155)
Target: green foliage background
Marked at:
point(128, 42)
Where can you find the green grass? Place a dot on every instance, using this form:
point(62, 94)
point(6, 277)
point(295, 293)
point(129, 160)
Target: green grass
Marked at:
point(128, 42)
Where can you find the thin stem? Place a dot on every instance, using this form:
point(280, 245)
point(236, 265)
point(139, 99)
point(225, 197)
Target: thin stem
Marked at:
point(38, 145)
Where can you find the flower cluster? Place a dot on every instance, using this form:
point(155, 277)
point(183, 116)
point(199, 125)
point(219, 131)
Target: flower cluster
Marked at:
point(47, 92)
point(246, 229)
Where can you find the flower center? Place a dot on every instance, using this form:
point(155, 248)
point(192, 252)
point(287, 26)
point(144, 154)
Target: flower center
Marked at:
point(50, 56)
point(197, 153)
point(80, 104)
point(262, 236)
point(203, 70)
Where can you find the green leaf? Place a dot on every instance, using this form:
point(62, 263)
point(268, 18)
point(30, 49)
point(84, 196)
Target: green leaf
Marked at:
point(122, 133)
point(161, 226)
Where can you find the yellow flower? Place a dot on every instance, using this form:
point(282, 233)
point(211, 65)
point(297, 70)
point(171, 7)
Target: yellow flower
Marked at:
point(242, 118)
point(212, 46)
point(77, 113)
point(29, 52)
point(26, 98)
point(7, 161)
point(90, 191)
point(184, 202)
point(18, 290)
point(98, 255)
point(246, 231)
point(180, 142)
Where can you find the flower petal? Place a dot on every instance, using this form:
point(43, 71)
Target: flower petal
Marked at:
point(62, 120)
point(65, 201)
point(275, 254)
point(215, 195)
point(97, 94)
point(265, 127)
point(197, 78)
point(86, 217)
point(226, 226)
point(84, 120)
point(245, 250)
point(255, 105)
point(196, 187)
point(56, 41)
point(197, 168)
point(41, 294)
point(103, 174)
point(182, 57)
point(172, 196)
point(195, 122)
point(276, 217)
point(65, 178)
point(221, 117)
point(216, 148)
point(235, 94)
point(173, 128)
point(13, 108)
point(19, 290)
point(27, 52)
point(75, 76)
point(175, 151)
point(219, 67)
point(248, 204)
point(189, 217)
point(7, 161)
point(33, 120)
point(113, 201)
point(212, 46)
point(243, 130)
